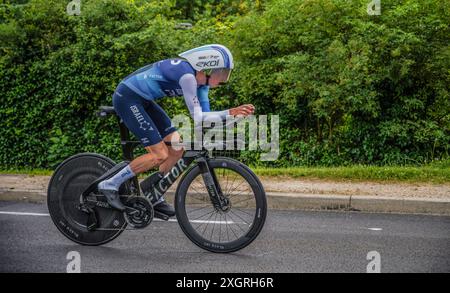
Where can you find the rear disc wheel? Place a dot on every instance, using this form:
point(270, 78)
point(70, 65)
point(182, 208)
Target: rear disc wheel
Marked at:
point(68, 182)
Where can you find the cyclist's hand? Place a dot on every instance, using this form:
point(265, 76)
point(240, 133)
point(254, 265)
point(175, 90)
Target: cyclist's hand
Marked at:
point(244, 110)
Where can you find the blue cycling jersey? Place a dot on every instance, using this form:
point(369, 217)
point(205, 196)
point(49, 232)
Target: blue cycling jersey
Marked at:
point(161, 79)
point(134, 98)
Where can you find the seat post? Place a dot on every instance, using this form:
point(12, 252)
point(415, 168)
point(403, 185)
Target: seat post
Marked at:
point(127, 145)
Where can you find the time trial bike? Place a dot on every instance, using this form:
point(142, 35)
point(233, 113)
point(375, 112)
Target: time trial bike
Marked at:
point(220, 203)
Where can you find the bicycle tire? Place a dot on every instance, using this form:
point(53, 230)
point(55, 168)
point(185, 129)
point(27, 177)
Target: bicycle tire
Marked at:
point(260, 213)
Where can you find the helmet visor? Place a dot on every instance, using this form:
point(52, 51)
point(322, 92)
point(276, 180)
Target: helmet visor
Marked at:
point(221, 74)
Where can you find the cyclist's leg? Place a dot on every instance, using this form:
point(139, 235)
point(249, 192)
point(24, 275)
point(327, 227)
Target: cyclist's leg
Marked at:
point(175, 153)
point(131, 109)
point(157, 155)
point(146, 121)
point(169, 134)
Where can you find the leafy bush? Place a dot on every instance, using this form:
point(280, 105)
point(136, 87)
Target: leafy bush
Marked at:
point(355, 87)
point(349, 87)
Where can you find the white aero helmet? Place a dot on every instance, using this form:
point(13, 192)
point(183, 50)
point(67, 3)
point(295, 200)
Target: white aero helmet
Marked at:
point(210, 58)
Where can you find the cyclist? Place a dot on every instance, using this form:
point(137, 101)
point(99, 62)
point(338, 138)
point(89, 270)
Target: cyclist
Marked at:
point(190, 76)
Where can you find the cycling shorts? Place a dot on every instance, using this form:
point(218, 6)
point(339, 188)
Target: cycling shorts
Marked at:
point(144, 118)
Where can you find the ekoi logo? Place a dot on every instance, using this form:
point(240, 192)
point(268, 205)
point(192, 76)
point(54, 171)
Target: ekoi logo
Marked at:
point(144, 125)
point(210, 63)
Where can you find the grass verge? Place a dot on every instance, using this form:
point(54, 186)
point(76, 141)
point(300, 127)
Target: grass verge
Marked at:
point(27, 171)
point(431, 173)
point(362, 173)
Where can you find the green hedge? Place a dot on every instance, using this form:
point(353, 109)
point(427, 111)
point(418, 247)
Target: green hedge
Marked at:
point(349, 87)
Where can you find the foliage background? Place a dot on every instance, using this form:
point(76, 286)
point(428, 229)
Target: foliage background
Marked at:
point(350, 88)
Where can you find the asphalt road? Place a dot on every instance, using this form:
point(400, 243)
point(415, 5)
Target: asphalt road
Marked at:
point(291, 241)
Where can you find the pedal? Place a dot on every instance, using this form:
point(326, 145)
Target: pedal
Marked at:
point(161, 216)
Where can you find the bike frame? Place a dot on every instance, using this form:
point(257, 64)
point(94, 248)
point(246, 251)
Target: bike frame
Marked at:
point(201, 157)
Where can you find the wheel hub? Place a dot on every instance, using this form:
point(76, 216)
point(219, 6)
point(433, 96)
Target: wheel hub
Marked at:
point(226, 205)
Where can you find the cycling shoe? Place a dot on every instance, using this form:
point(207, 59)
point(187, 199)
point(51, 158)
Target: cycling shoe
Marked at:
point(113, 198)
point(165, 208)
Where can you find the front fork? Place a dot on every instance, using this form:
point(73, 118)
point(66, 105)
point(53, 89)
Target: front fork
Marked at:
point(219, 201)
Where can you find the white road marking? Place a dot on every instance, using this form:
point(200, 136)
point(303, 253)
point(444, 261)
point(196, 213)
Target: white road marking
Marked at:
point(375, 229)
point(24, 214)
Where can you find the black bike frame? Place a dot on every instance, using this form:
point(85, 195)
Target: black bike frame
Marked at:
point(167, 181)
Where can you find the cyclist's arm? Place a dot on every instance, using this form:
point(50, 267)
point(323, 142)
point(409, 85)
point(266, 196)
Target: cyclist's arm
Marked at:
point(188, 84)
point(202, 94)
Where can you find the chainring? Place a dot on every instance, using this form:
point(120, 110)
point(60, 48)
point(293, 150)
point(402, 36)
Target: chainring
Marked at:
point(139, 212)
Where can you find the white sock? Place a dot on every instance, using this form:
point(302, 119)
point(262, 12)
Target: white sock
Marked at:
point(114, 182)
